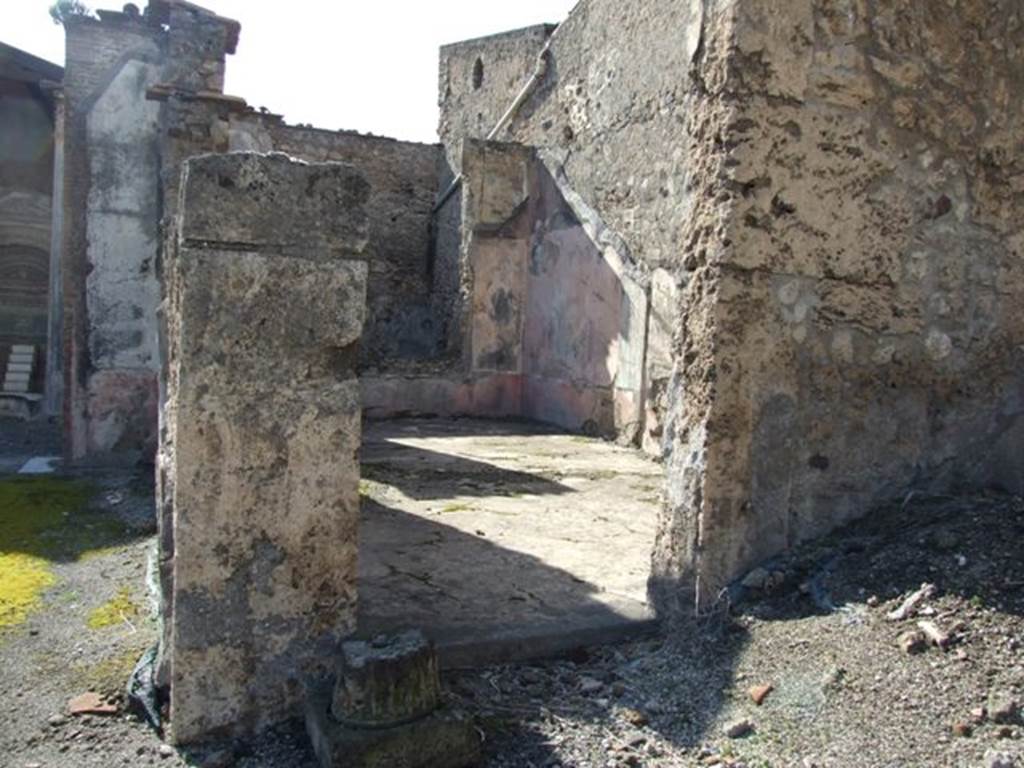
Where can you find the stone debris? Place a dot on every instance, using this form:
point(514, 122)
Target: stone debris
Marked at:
point(912, 641)
point(963, 730)
point(935, 636)
point(738, 729)
point(759, 693)
point(1004, 709)
point(994, 759)
point(90, 703)
point(910, 604)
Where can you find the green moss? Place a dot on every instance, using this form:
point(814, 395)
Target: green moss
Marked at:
point(30, 508)
point(43, 521)
point(114, 611)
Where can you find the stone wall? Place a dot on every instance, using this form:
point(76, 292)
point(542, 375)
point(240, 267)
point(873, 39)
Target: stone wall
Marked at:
point(869, 279)
point(478, 79)
point(405, 326)
point(112, 208)
point(266, 296)
point(824, 196)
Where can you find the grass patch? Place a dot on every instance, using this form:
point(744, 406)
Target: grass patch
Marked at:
point(114, 611)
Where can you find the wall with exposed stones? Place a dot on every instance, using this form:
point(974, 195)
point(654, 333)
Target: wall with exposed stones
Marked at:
point(405, 325)
point(824, 198)
point(266, 297)
point(868, 338)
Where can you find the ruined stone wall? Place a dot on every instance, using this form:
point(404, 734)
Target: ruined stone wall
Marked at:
point(405, 326)
point(266, 297)
point(826, 195)
point(870, 276)
point(632, 111)
point(112, 210)
point(478, 79)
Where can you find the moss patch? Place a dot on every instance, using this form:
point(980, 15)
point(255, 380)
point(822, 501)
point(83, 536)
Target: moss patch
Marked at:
point(23, 578)
point(30, 509)
point(114, 611)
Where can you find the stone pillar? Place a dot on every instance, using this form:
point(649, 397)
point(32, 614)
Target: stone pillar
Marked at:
point(265, 307)
point(55, 321)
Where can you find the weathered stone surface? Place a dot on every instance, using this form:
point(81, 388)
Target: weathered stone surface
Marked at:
point(444, 739)
point(262, 425)
point(109, 220)
point(833, 188)
point(386, 682)
point(231, 201)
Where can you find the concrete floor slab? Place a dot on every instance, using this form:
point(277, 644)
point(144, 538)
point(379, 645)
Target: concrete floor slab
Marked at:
point(504, 540)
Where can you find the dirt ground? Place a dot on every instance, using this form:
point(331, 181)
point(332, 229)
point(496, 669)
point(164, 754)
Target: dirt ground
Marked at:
point(813, 626)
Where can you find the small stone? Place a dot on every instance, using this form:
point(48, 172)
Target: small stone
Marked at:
point(589, 685)
point(912, 641)
point(873, 601)
point(995, 759)
point(56, 721)
point(1003, 709)
point(1004, 732)
point(634, 717)
point(756, 579)
point(166, 750)
point(978, 715)
point(619, 688)
point(759, 693)
point(739, 729)
point(963, 730)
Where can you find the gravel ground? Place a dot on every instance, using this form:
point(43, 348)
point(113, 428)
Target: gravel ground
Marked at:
point(844, 692)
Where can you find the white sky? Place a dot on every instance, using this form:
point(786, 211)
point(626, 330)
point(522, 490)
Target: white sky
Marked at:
point(367, 65)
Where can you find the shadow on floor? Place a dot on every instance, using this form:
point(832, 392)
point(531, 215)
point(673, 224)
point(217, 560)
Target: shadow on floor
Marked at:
point(480, 602)
point(421, 473)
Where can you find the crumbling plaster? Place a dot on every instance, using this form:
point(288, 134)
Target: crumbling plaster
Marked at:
point(825, 198)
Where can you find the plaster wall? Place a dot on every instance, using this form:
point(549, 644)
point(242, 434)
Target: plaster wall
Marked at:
point(112, 201)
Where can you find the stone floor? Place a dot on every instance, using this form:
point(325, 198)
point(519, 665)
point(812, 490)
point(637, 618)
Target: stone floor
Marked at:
point(504, 540)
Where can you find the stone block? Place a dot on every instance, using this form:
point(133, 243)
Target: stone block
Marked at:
point(253, 201)
point(385, 710)
point(444, 739)
point(386, 682)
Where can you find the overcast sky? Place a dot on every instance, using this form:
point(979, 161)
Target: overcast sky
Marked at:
point(369, 65)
